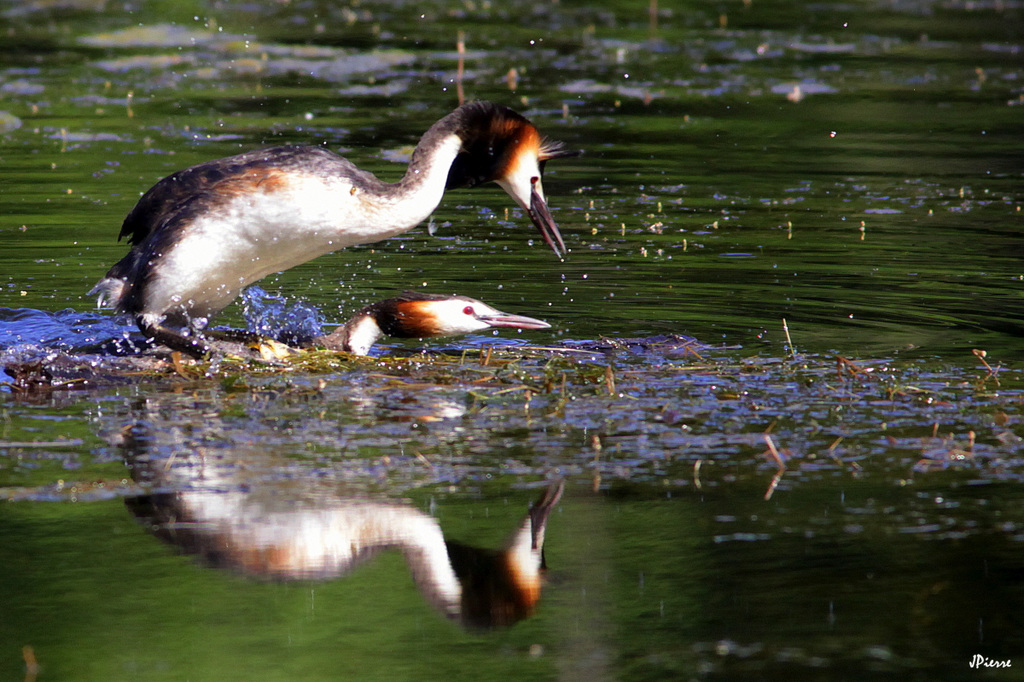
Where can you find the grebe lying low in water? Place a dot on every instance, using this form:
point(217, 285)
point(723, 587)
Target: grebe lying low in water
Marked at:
point(415, 315)
point(201, 235)
point(39, 369)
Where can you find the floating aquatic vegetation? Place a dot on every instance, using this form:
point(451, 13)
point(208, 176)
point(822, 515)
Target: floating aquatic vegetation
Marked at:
point(158, 35)
point(214, 55)
point(22, 87)
point(8, 121)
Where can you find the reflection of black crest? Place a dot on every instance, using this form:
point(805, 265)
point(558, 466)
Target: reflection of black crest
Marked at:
point(494, 592)
point(490, 595)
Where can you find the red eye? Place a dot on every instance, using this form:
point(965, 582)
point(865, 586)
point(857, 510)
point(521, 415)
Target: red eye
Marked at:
point(469, 310)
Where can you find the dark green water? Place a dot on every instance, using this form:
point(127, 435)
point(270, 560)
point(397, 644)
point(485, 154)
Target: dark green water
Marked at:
point(853, 168)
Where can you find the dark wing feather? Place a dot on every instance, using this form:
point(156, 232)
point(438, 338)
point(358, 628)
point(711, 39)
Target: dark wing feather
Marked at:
point(160, 217)
point(177, 191)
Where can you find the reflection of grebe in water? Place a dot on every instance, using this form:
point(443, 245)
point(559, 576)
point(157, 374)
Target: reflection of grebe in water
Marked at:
point(264, 531)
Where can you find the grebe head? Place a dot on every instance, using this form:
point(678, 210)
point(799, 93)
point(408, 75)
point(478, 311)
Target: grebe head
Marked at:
point(417, 315)
point(502, 146)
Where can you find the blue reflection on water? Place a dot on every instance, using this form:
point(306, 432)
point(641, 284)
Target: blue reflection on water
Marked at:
point(65, 330)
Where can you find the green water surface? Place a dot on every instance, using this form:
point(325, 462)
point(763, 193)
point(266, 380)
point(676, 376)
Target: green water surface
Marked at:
point(852, 168)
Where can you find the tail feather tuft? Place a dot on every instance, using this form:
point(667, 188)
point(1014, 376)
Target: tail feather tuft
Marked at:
point(109, 292)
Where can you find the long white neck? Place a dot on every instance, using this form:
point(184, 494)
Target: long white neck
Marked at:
point(355, 336)
point(481, 131)
point(410, 201)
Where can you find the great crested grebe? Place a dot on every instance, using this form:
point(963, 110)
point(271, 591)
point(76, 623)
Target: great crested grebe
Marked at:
point(202, 234)
point(417, 315)
point(297, 529)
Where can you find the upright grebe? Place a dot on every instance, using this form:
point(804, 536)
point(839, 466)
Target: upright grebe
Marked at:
point(417, 315)
point(202, 234)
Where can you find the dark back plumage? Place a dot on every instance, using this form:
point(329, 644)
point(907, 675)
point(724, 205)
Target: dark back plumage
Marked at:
point(190, 190)
point(155, 224)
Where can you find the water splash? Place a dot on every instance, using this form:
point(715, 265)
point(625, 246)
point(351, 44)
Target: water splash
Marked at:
point(271, 315)
point(67, 330)
point(93, 332)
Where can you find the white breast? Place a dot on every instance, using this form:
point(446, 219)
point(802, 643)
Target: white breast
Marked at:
point(275, 226)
